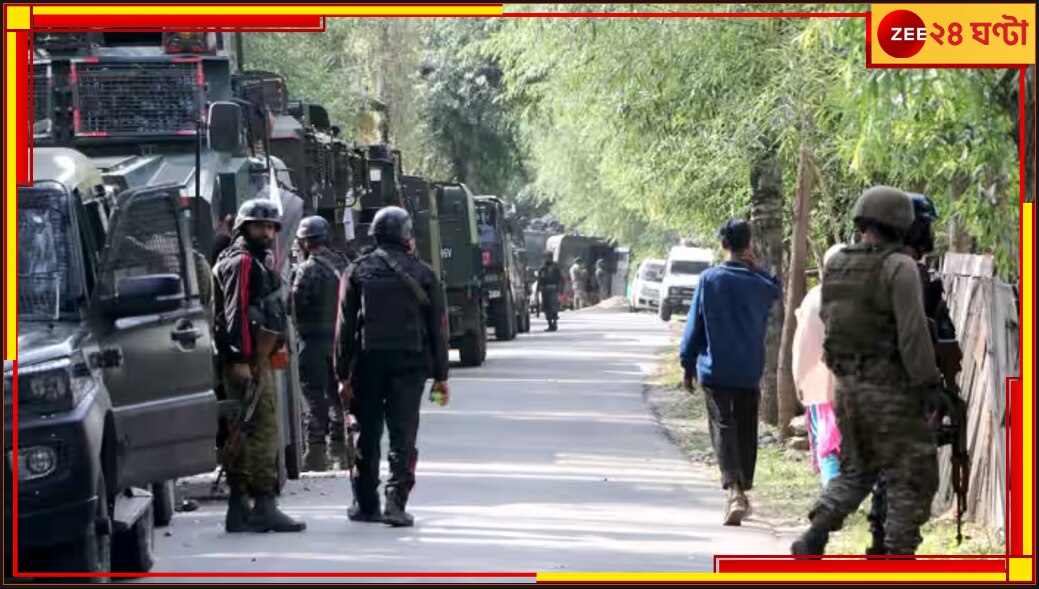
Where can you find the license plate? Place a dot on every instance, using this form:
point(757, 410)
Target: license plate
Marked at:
point(494, 294)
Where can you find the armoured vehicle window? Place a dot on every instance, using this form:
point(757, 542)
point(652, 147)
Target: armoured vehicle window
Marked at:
point(485, 219)
point(48, 264)
point(148, 243)
point(688, 267)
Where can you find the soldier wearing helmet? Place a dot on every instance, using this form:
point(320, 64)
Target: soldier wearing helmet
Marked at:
point(250, 321)
point(390, 337)
point(918, 243)
point(879, 348)
point(315, 290)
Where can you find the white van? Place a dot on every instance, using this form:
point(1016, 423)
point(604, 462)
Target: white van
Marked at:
point(645, 291)
point(681, 276)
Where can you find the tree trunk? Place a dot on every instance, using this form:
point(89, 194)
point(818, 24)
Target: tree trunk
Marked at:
point(795, 292)
point(766, 218)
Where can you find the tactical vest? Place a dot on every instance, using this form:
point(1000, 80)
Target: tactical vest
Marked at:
point(318, 318)
point(268, 310)
point(392, 316)
point(860, 321)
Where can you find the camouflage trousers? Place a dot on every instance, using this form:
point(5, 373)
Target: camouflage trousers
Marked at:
point(883, 429)
point(321, 389)
point(253, 463)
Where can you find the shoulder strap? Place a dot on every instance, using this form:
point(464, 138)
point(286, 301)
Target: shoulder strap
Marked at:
point(406, 278)
point(328, 266)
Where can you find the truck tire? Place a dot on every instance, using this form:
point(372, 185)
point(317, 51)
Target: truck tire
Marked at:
point(132, 550)
point(665, 311)
point(92, 552)
point(163, 502)
point(469, 350)
point(505, 329)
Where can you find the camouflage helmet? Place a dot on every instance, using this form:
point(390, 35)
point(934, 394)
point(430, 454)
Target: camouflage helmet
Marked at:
point(886, 206)
point(260, 210)
point(391, 224)
point(314, 227)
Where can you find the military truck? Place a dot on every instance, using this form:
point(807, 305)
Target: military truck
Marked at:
point(152, 109)
point(114, 382)
point(420, 200)
point(462, 271)
point(503, 282)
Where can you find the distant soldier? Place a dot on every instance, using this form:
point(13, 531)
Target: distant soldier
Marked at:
point(315, 291)
point(879, 348)
point(250, 320)
point(579, 284)
point(550, 284)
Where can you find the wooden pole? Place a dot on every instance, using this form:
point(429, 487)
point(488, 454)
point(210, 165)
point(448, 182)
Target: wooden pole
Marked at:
point(795, 292)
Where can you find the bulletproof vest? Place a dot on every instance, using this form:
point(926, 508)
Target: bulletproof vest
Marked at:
point(322, 283)
point(392, 317)
point(268, 310)
point(859, 319)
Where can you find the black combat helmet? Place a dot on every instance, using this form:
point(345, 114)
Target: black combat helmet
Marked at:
point(920, 236)
point(314, 228)
point(391, 225)
point(260, 210)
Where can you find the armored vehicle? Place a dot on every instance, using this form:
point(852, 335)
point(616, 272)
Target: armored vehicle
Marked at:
point(462, 271)
point(503, 282)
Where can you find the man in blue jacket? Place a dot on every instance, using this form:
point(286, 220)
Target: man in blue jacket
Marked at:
point(723, 348)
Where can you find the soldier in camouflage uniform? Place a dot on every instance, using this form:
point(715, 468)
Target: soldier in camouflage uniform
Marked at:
point(248, 315)
point(315, 292)
point(918, 243)
point(879, 349)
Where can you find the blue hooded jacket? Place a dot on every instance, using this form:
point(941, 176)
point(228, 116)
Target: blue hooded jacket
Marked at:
point(724, 340)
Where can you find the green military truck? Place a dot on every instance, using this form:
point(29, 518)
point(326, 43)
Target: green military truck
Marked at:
point(113, 386)
point(503, 282)
point(420, 200)
point(462, 271)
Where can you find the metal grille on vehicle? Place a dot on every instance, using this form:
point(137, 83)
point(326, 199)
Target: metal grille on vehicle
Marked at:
point(41, 99)
point(150, 98)
point(43, 253)
point(148, 242)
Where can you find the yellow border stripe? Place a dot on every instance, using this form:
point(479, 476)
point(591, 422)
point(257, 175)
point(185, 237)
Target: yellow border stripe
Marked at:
point(45, 9)
point(1027, 519)
point(767, 577)
point(11, 227)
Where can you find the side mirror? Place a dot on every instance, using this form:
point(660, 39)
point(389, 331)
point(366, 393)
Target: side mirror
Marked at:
point(226, 132)
point(150, 294)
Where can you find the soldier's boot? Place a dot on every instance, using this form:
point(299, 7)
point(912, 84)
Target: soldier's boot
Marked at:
point(735, 506)
point(266, 517)
point(813, 541)
point(369, 514)
point(238, 509)
point(394, 514)
point(877, 548)
point(315, 459)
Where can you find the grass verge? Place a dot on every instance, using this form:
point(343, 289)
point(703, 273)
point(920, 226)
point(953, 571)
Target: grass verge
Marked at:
point(785, 484)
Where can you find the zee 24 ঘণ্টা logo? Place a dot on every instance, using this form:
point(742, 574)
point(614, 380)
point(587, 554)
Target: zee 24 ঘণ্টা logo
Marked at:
point(902, 33)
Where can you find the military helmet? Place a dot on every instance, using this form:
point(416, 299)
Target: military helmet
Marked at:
point(259, 210)
point(885, 205)
point(391, 224)
point(314, 227)
point(923, 208)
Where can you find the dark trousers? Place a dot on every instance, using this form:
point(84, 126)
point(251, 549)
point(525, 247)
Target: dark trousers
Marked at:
point(733, 418)
point(321, 389)
point(387, 389)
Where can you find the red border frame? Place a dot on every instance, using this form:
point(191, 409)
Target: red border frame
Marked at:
point(1014, 384)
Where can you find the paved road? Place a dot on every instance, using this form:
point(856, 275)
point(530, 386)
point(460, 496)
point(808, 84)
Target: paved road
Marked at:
point(547, 460)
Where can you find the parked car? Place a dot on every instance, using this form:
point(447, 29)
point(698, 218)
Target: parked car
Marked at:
point(645, 292)
point(681, 277)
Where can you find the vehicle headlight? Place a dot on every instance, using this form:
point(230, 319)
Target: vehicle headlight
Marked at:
point(35, 462)
point(51, 387)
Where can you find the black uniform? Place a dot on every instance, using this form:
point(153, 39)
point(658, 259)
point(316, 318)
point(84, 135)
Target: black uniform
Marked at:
point(389, 340)
point(315, 289)
point(550, 284)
